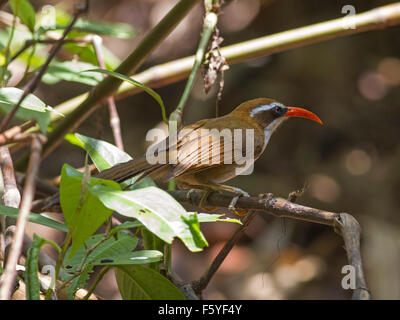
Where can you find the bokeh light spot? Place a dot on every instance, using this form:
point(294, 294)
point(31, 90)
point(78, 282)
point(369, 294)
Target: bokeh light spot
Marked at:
point(389, 68)
point(324, 188)
point(357, 162)
point(372, 86)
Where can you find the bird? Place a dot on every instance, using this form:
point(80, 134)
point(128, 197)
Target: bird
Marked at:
point(201, 157)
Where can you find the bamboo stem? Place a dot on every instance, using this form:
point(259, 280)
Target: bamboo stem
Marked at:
point(174, 71)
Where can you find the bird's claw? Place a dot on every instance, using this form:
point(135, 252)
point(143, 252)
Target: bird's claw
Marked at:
point(233, 202)
point(203, 202)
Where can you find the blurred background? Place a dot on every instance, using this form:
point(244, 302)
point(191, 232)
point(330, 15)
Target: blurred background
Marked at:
point(351, 164)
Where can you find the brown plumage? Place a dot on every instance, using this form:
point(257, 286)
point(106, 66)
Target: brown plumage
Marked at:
point(192, 170)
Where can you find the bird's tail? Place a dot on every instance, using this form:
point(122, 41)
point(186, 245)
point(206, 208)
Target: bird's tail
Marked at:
point(118, 173)
point(129, 169)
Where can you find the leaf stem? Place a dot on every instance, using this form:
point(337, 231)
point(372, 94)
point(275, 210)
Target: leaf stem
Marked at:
point(100, 276)
point(210, 21)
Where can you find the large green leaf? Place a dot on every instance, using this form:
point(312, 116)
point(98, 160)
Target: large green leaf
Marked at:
point(83, 214)
point(107, 249)
point(24, 10)
point(111, 251)
point(158, 211)
point(145, 88)
point(31, 108)
point(71, 71)
point(136, 282)
point(35, 218)
point(124, 243)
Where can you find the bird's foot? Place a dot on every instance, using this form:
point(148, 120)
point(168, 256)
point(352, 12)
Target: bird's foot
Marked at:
point(202, 203)
point(232, 204)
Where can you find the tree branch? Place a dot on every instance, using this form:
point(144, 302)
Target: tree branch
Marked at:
point(18, 236)
point(347, 226)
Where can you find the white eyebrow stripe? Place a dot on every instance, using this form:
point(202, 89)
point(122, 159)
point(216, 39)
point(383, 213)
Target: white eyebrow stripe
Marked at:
point(264, 107)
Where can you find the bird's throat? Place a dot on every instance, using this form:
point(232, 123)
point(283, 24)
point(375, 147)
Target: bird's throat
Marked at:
point(269, 129)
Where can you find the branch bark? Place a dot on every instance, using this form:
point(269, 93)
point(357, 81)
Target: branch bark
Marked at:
point(18, 236)
point(349, 228)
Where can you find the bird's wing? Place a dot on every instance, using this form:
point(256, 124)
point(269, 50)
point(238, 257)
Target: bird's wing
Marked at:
point(202, 149)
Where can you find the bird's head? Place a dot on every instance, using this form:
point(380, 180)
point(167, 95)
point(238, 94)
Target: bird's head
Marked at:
point(269, 113)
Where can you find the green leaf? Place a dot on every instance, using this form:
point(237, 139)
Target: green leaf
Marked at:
point(106, 249)
point(35, 218)
point(158, 211)
point(152, 242)
point(31, 265)
point(137, 257)
point(150, 91)
point(115, 29)
point(207, 217)
point(7, 74)
point(24, 10)
point(83, 215)
point(194, 226)
point(71, 71)
point(87, 53)
point(31, 108)
point(136, 282)
point(104, 154)
point(126, 225)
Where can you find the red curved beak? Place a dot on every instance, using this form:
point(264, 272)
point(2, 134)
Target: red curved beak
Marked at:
point(302, 113)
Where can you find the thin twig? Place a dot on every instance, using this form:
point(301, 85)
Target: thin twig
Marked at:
point(36, 80)
point(30, 42)
point(97, 42)
point(10, 196)
point(201, 284)
point(41, 185)
point(18, 238)
point(100, 276)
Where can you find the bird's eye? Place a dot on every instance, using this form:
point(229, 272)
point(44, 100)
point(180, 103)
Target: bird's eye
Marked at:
point(278, 110)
